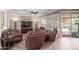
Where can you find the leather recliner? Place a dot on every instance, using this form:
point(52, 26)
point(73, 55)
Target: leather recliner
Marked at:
point(35, 40)
point(53, 35)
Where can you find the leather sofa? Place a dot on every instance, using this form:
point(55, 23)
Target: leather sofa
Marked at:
point(17, 36)
point(6, 42)
point(16, 33)
point(10, 37)
point(35, 39)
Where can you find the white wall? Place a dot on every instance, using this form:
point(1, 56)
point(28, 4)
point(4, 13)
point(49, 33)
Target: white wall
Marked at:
point(19, 25)
point(36, 20)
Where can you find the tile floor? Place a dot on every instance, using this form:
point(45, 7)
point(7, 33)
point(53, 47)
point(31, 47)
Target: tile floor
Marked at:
point(68, 43)
point(64, 43)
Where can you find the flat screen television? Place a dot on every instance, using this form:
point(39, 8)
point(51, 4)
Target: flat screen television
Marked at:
point(26, 23)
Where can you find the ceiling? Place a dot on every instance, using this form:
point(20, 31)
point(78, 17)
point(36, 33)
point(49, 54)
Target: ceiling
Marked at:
point(26, 12)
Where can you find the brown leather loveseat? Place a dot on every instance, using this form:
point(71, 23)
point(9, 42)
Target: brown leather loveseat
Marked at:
point(10, 37)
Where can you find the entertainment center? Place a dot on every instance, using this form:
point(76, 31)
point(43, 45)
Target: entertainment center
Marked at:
point(26, 26)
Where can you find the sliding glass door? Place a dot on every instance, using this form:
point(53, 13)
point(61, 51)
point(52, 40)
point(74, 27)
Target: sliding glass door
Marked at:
point(66, 24)
point(70, 24)
point(75, 25)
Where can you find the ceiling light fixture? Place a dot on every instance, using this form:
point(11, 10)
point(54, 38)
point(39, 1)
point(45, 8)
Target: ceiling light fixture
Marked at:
point(32, 14)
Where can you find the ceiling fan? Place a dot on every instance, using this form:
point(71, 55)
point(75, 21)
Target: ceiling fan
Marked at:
point(34, 12)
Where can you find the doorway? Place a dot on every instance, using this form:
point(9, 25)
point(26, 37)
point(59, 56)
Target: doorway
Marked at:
point(70, 25)
point(66, 25)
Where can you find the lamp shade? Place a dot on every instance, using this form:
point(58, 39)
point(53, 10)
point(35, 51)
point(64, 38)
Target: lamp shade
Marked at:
point(4, 28)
